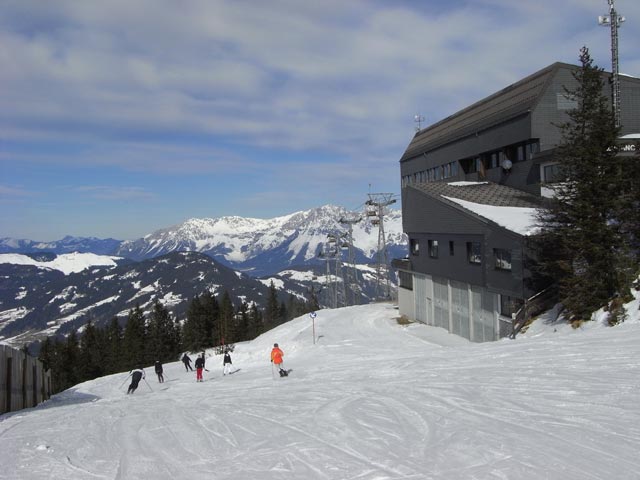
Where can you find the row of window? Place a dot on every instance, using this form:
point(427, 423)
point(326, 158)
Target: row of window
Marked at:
point(434, 174)
point(502, 257)
point(518, 152)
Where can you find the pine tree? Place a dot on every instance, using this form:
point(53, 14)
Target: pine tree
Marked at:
point(272, 309)
point(256, 323)
point(162, 340)
point(133, 341)
point(243, 323)
point(91, 361)
point(113, 347)
point(226, 323)
point(580, 242)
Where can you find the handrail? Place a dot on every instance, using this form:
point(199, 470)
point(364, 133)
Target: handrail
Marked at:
point(538, 303)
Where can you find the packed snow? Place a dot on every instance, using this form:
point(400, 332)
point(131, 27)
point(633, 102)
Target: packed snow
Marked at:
point(367, 399)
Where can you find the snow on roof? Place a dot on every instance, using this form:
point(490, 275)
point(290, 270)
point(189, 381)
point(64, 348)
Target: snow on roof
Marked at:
point(467, 184)
point(520, 220)
point(631, 136)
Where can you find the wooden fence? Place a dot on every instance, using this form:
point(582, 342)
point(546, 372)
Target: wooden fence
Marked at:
point(23, 381)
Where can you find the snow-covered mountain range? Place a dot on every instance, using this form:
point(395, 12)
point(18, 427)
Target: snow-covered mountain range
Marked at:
point(256, 246)
point(263, 247)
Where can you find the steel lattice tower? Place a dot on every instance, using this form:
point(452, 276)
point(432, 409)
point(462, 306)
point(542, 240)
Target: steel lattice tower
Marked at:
point(350, 274)
point(614, 21)
point(376, 209)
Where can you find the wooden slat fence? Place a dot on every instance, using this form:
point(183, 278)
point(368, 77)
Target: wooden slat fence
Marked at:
point(23, 381)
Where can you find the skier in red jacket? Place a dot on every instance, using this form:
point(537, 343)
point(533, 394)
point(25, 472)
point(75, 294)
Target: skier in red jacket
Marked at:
point(276, 358)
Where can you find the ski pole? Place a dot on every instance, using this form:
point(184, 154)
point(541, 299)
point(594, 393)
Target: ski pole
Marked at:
point(145, 381)
point(125, 381)
point(273, 375)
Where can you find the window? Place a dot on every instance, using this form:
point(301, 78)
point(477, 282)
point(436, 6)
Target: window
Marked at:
point(451, 247)
point(474, 252)
point(406, 280)
point(494, 160)
point(551, 173)
point(415, 246)
point(502, 259)
point(433, 248)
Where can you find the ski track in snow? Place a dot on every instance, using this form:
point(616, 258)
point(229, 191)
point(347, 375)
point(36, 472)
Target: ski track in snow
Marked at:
point(369, 401)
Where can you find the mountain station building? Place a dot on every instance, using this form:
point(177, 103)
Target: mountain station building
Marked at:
point(470, 186)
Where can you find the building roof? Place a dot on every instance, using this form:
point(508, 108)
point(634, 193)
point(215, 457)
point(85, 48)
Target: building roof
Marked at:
point(510, 102)
point(485, 193)
point(509, 208)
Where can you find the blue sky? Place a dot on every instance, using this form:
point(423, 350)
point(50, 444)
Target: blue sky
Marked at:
point(122, 117)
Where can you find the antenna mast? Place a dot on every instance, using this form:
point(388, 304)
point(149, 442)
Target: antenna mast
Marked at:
point(614, 21)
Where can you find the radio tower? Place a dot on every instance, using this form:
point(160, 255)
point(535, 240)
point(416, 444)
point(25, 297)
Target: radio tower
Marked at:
point(350, 275)
point(614, 21)
point(375, 208)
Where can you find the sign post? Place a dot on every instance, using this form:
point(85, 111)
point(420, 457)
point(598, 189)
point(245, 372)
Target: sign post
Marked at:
point(313, 316)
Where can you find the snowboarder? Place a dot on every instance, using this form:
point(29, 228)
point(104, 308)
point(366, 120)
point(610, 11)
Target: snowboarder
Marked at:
point(276, 358)
point(226, 363)
point(158, 367)
point(187, 362)
point(199, 367)
point(136, 375)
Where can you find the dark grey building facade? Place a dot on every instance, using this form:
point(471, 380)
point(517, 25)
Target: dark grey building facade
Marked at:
point(468, 182)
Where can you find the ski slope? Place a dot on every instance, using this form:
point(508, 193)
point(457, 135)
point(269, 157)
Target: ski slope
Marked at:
point(371, 400)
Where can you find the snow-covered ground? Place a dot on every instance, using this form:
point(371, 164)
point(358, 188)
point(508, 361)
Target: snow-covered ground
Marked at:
point(370, 400)
point(67, 262)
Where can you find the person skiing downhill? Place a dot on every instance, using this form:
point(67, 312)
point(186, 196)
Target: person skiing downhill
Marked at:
point(187, 362)
point(158, 368)
point(276, 358)
point(199, 367)
point(226, 363)
point(136, 375)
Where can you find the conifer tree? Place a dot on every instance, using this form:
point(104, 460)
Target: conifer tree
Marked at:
point(256, 324)
point(90, 358)
point(113, 347)
point(162, 340)
point(133, 341)
point(226, 325)
point(580, 241)
point(242, 331)
point(272, 309)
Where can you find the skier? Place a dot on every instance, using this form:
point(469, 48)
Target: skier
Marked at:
point(136, 375)
point(226, 363)
point(199, 367)
point(276, 357)
point(158, 367)
point(187, 362)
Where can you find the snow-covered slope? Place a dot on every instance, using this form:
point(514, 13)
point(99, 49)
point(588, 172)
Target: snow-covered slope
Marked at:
point(66, 263)
point(369, 400)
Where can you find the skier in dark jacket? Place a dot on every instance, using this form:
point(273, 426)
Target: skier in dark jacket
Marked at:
point(199, 367)
point(158, 367)
point(187, 362)
point(226, 363)
point(136, 375)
